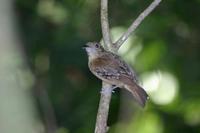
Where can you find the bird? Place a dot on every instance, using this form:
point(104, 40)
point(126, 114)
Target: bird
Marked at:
point(111, 69)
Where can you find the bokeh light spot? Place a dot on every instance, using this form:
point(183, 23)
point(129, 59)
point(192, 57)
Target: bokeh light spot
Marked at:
point(55, 12)
point(131, 47)
point(161, 86)
point(192, 112)
point(149, 123)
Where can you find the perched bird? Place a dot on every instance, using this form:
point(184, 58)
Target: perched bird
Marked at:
point(111, 69)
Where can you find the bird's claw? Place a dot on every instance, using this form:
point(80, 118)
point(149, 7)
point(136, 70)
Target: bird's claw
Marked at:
point(108, 90)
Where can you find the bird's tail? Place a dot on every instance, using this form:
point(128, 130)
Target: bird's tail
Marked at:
point(139, 94)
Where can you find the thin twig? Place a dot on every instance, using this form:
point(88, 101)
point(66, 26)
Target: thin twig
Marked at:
point(45, 104)
point(136, 23)
point(102, 115)
point(105, 25)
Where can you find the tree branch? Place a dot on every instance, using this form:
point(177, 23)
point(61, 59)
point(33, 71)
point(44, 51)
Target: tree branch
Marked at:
point(102, 115)
point(106, 91)
point(105, 25)
point(136, 23)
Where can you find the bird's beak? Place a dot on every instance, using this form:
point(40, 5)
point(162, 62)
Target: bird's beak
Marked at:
point(85, 46)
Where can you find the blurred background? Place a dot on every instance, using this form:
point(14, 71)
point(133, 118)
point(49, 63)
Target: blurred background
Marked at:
point(45, 84)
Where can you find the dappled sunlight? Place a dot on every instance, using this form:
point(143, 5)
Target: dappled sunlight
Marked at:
point(52, 11)
point(148, 123)
point(130, 56)
point(131, 48)
point(191, 112)
point(161, 86)
point(151, 81)
point(116, 32)
point(151, 54)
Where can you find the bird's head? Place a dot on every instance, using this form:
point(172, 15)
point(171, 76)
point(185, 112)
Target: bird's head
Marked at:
point(93, 49)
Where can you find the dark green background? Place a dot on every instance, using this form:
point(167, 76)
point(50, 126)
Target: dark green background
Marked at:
point(53, 32)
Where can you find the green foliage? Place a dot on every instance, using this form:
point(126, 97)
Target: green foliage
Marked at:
point(54, 32)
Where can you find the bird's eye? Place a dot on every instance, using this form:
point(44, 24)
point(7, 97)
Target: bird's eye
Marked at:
point(97, 45)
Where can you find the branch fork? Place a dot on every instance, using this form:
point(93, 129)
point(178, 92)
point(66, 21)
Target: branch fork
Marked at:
point(106, 92)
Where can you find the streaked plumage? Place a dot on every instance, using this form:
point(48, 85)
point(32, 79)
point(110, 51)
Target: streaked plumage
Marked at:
point(112, 69)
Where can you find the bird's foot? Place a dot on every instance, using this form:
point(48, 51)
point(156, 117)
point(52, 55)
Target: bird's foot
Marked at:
point(113, 88)
point(106, 90)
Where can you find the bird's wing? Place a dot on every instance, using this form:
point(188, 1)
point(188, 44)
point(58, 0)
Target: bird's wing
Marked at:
point(124, 68)
point(112, 67)
point(104, 68)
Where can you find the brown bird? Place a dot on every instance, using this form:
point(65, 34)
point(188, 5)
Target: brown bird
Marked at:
point(111, 69)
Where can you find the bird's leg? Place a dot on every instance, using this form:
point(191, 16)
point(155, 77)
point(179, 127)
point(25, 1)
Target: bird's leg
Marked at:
point(114, 87)
point(106, 90)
